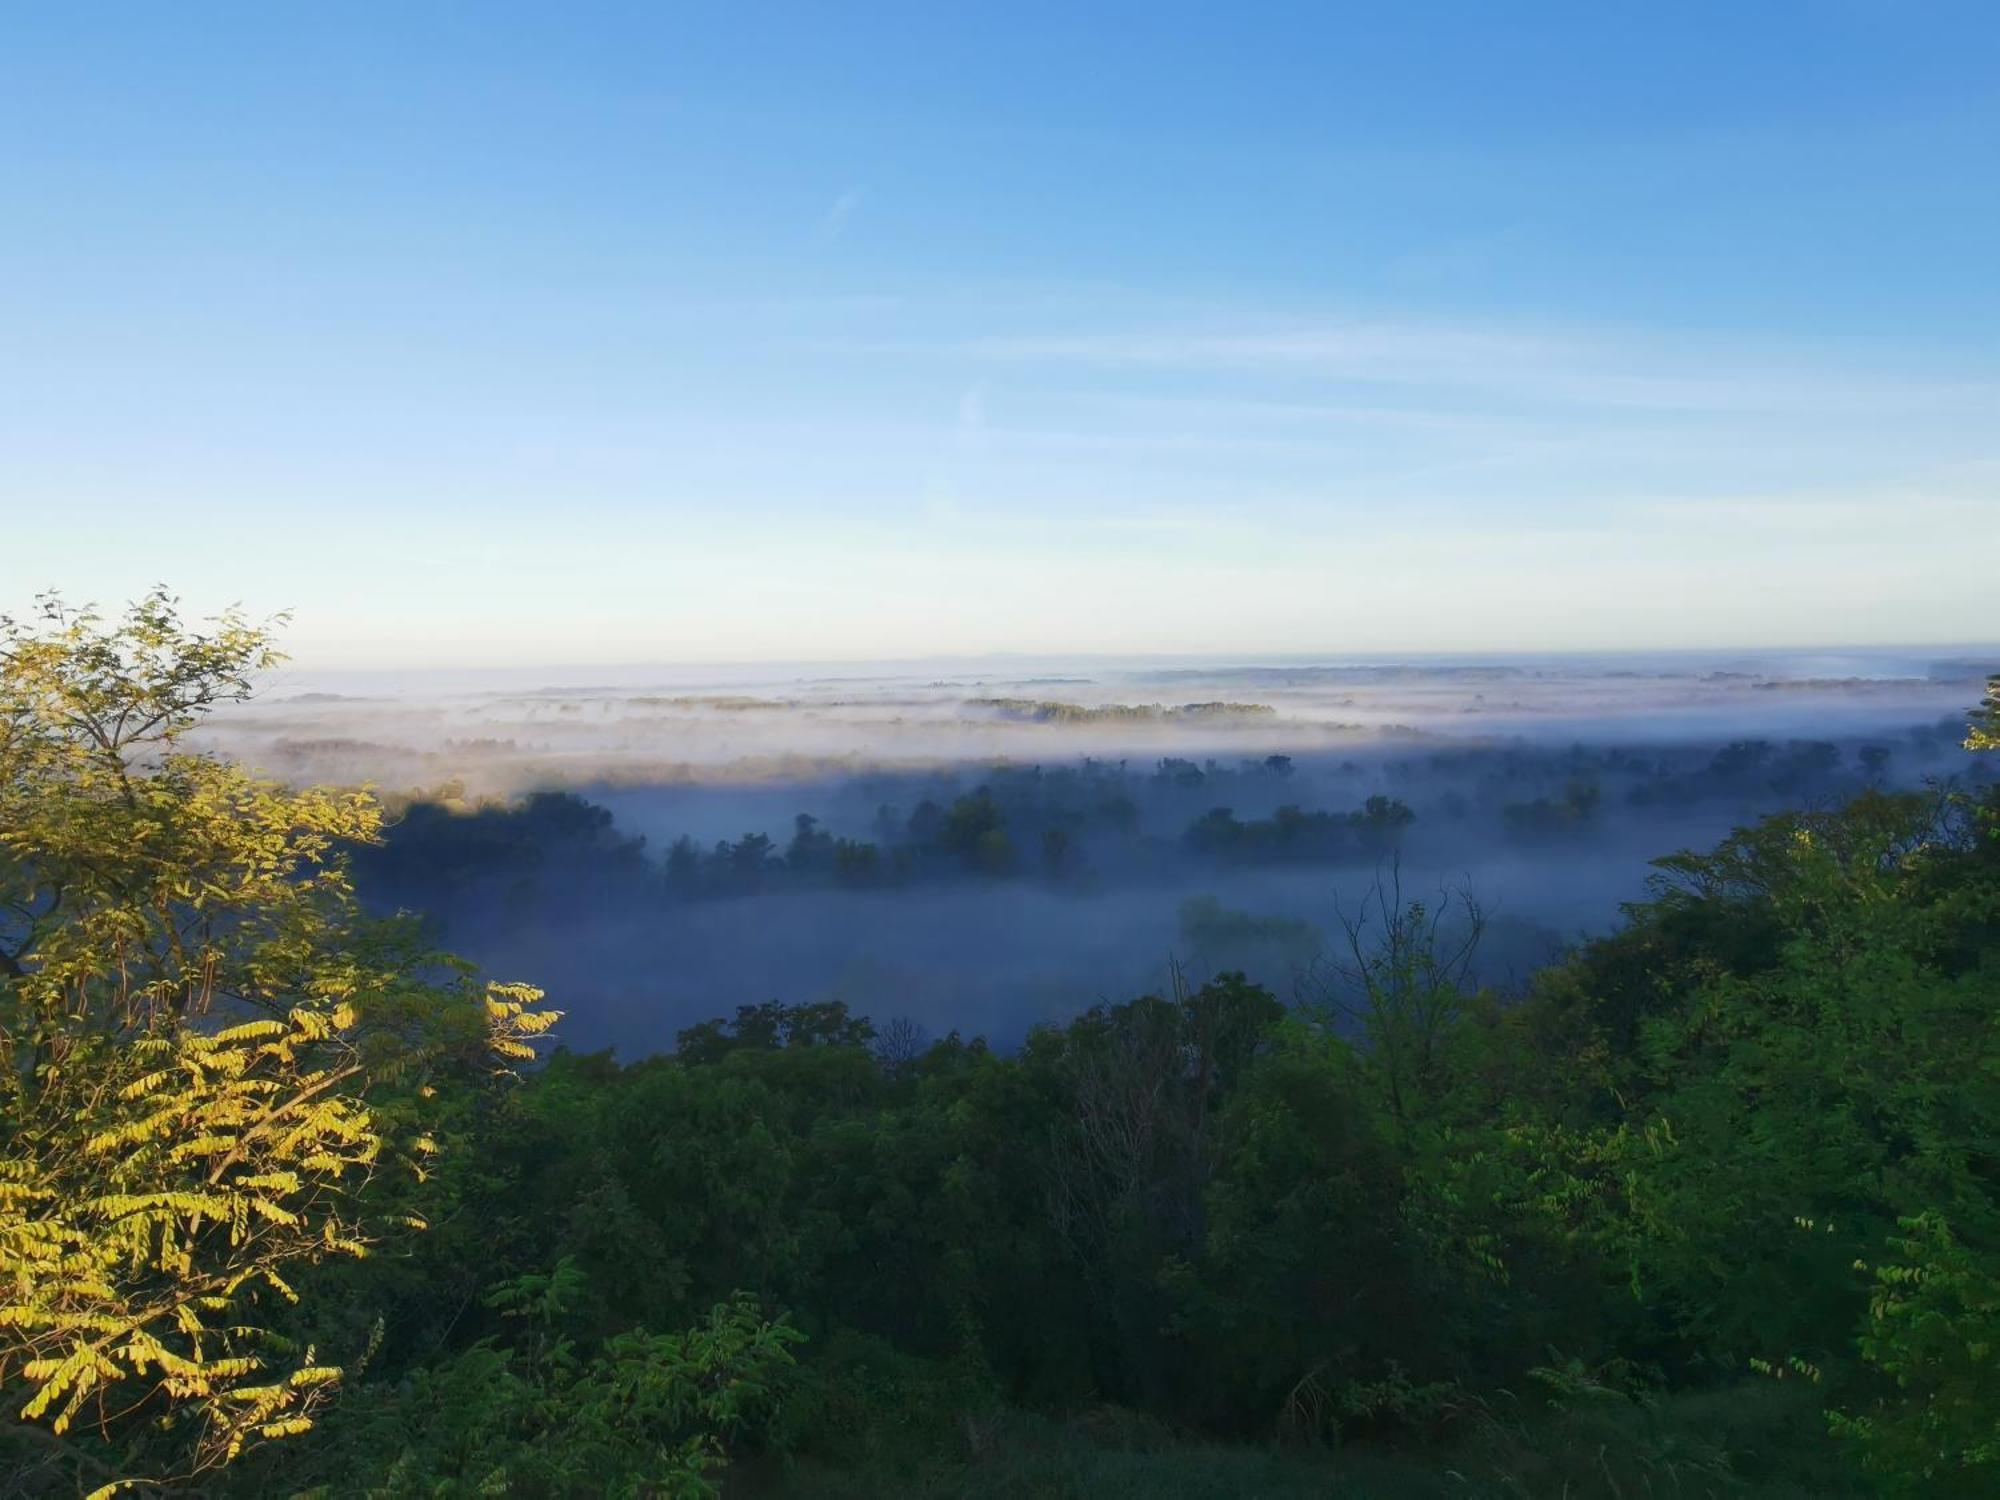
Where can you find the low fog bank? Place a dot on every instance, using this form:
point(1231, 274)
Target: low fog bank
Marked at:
point(995, 954)
point(503, 733)
point(1082, 847)
point(995, 961)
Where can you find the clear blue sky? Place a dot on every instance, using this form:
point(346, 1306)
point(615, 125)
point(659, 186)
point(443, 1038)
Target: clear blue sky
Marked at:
point(480, 333)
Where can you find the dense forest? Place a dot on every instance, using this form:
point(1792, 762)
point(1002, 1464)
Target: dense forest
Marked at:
point(294, 1202)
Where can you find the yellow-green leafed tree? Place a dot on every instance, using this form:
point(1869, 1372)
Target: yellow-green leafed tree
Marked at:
point(213, 1071)
point(1984, 731)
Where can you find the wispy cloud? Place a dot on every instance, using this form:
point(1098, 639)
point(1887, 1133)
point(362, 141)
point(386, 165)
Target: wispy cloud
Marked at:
point(834, 221)
point(1910, 506)
point(972, 407)
point(1610, 371)
point(1379, 351)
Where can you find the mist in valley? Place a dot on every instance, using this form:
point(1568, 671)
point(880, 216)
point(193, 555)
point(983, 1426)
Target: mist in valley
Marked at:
point(980, 848)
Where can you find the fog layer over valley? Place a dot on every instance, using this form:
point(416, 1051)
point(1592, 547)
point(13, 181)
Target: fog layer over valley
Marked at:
point(983, 848)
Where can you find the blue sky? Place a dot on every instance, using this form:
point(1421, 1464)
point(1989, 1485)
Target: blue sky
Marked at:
point(486, 334)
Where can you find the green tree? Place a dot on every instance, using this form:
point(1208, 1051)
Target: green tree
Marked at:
point(1984, 731)
point(211, 1068)
point(1801, 1177)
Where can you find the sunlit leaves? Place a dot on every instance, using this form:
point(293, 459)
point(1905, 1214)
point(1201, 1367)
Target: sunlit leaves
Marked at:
point(210, 1065)
point(1984, 731)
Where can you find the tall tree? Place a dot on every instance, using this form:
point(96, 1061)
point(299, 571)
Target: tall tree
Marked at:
point(213, 1072)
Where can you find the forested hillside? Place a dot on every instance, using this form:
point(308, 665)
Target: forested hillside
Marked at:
point(291, 1202)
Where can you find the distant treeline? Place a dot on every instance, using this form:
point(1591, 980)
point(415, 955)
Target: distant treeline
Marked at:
point(1022, 824)
point(1104, 820)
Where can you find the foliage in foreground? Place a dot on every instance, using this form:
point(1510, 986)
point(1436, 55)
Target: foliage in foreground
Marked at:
point(214, 1076)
